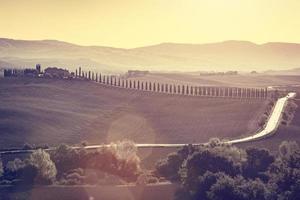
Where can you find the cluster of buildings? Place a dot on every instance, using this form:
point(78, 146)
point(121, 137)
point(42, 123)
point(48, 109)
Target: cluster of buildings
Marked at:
point(50, 72)
point(134, 73)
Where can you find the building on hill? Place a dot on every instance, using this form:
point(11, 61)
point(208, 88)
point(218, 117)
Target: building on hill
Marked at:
point(50, 72)
point(54, 72)
point(28, 72)
point(132, 73)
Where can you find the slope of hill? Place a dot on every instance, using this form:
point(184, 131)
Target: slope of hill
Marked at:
point(40, 111)
point(243, 80)
point(228, 55)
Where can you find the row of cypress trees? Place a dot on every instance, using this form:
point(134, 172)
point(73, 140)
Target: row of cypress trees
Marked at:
point(117, 81)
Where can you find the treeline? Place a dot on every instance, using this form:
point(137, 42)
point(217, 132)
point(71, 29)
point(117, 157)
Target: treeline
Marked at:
point(115, 164)
point(219, 171)
point(168, 88)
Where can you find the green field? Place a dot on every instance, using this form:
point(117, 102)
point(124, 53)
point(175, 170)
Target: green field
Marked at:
point(41, 111)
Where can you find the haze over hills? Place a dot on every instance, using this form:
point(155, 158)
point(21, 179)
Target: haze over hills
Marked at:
point(222, 56)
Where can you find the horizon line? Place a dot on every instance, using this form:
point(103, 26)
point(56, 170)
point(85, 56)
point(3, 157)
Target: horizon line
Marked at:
point(149, 45)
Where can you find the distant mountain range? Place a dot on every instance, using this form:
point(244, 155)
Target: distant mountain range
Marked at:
point(223, 56)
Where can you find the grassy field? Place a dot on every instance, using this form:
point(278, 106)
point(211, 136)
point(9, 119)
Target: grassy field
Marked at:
point(234, 80)
point(39, 111)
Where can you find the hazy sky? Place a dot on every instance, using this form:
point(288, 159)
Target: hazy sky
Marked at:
point(132, 23)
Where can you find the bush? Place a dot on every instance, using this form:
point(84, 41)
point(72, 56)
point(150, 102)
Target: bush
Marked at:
point(258, 162)
point(214, 171)
point(200, 187)
point(118, 159)
point(20, 172)
point(286, 149)
point(66, 159)
point(74, 179)
point(201, 162)
point(170, 166)
point(224, 189)
point(45, 166)
point(38, 169)
point(27, 146)
point(146, 178)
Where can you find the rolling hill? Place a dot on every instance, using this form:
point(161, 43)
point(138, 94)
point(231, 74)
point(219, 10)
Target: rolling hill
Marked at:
point(228, 55)
point(41, 111)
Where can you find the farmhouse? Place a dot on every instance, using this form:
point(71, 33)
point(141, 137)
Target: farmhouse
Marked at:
point(28, 72)
point(54, 72)
point(132, 73)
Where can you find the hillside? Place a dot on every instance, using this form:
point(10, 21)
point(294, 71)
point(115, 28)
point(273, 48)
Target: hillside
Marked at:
point(243, 80)
point(228, 55)
point(40, 111)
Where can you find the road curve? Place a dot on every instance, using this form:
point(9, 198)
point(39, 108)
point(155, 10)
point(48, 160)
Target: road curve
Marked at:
point(269, 129)
point(272, 123)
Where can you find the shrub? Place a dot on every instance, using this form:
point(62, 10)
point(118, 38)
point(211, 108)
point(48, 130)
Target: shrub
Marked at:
point(74, 179)
point(201, 162)
point(27, 146)
point(224, 189)
point(38, 168)
point(20, 172)
point(200, 187)
point(117, 159)
point(212, 172)
point(45, 166)
point(170, 166)
point(287, 148)
point(258, 162)
point(146, 178)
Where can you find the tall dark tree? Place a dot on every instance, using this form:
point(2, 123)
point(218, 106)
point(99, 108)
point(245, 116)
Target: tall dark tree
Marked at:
point(258, 162)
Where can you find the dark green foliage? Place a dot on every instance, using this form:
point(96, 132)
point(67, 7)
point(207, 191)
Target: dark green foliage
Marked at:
point(219, 171)
point(294, 193)
point(258, 162)
point(170, 166)
point(201, 162)
point(66, 158)
point(20, 172)
point(110, 160)
point(74, 166)
point(225, 188)
point(38, 169)
point(238, 188)
point(200, 187)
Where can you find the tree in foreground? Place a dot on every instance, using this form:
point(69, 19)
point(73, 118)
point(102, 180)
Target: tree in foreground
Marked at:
point(46, 170)
point(218, 171)
point(37, 169)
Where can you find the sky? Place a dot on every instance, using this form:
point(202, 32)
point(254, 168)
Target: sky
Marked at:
point(134, 23)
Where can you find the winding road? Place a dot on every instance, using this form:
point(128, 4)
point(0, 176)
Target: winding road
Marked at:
point(270, 128)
